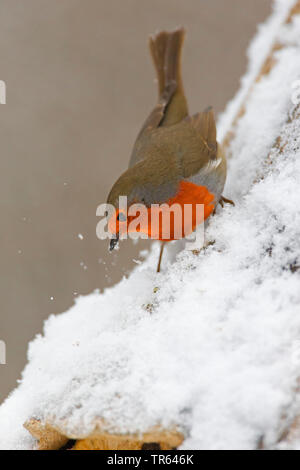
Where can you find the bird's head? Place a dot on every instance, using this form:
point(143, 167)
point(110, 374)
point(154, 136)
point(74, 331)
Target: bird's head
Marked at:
point(128, 185)
point(144, 184)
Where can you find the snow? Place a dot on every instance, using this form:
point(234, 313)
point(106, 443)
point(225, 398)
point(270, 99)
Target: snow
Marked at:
point(268, 33)
point(211, 344)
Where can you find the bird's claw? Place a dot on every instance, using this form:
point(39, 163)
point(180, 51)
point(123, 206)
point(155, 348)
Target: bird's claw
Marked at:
point(223, 200)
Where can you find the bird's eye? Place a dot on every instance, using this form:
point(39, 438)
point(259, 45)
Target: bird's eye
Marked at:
point(121, 217)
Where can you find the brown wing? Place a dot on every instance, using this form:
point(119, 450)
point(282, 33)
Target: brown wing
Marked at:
point(152, 122)
point(203, 154)
point(205, 125)
point(191, 142)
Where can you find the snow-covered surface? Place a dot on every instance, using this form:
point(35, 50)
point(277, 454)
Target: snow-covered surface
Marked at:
point(259, 49)
point(219, 354)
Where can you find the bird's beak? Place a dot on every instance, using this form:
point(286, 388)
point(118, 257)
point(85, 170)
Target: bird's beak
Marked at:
point(113, 242)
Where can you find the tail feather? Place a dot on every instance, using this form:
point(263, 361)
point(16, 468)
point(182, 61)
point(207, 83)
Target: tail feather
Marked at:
point(157, 46)
point(166, 48)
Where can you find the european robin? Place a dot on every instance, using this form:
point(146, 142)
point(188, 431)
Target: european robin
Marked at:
point(176, 158)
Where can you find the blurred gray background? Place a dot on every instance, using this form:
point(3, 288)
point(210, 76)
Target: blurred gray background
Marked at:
point(79, 84)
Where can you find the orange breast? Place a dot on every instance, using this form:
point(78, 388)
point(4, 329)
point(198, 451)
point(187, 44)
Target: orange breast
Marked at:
point(176, 218)
point(166, 225)
point(192, 194)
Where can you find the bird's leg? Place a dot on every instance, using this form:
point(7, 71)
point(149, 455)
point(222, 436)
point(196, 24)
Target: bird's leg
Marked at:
point(160, 256)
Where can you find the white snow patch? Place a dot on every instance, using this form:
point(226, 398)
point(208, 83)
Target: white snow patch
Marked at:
point(268, 34)
point(216, 356)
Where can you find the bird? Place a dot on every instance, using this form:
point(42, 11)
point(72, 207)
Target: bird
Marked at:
point(176, 158)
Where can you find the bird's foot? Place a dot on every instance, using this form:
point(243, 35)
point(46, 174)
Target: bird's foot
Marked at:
point(223, 200)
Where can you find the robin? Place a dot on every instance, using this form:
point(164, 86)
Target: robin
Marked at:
point(176, 158)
